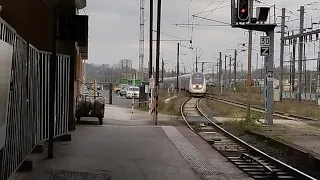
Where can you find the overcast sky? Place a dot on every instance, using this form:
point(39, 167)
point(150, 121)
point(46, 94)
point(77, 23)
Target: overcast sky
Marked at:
point(114, 30)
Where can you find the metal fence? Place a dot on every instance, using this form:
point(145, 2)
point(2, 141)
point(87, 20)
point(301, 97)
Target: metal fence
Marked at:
point(28, 111)
point(313, 98)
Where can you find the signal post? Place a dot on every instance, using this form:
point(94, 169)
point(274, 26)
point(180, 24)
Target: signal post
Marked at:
point(242, 18)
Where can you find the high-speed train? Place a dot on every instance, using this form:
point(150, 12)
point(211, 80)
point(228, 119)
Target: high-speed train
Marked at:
point(194, 83)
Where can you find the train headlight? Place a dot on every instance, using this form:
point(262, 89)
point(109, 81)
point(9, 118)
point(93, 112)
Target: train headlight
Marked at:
point(200, 86)
point(194, 86)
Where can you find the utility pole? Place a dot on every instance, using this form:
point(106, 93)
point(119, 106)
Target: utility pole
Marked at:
point(235, 68)
point(126, 69)
point(318, 69)
point(305, 67)
point(242, 72)
point(283, 21)
point(196, 59)
point(220, 67)
point(157, 59)
point(293, 64)
point(249, 60)
point(290, 73)
point(225, 71)
point(257, 66)
point(162, 71)
point(150, 41)
point(151, 58)
point(300, 53)
point(262, 67)
point(202, 67)
point(218, 79)
point(178, 53)
point(230, 61)
point(213, 73)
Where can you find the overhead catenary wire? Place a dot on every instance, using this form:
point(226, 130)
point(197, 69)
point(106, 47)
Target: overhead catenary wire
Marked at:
point(209, 13)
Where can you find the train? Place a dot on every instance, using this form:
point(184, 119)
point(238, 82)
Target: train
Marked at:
point(194, 83)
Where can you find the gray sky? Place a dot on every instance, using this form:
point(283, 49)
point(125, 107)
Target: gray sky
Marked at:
point(114, 31)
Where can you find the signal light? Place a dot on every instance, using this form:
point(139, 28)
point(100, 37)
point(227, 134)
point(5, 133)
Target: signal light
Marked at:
point(243, 9)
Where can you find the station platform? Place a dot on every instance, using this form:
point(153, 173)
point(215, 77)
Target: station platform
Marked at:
point(132, 152)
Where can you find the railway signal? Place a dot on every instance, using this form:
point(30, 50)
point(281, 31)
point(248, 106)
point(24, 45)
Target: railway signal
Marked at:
point(243, 10)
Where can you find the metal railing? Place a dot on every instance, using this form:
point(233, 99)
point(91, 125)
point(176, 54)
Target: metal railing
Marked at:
point(313, 97)
point(28, 111)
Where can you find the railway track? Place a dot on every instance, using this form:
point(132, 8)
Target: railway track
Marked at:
point(258, 109)
point(250, 160)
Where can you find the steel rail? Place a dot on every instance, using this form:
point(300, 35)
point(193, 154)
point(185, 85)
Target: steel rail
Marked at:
point(294, 172)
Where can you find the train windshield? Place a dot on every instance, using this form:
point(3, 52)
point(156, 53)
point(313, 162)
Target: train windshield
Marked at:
point(197, 78)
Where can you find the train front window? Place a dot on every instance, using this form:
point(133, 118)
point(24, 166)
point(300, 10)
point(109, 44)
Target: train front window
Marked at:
point(197, 78)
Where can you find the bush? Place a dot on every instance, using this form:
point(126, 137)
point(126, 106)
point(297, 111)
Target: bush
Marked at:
point(249, 123)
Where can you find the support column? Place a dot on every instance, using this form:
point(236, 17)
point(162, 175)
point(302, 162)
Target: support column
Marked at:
point(225, 72)
point(235, 67)
point(220, 68)
point(283, 20)
point(230, 61)
point(178, 55)
point(300, 89)
point(318, 70)
point(269, 81)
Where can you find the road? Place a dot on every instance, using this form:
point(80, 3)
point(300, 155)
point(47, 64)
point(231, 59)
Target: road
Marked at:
point(117, 100)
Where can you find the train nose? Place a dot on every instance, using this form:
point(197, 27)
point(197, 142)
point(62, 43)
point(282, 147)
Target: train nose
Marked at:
point(197, 86)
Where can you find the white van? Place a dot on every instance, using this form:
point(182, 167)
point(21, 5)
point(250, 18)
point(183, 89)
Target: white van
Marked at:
point(132, 92)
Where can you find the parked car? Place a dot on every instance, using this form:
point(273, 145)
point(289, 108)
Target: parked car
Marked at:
point(132, 92)
point(123, 91)
point(118, 88)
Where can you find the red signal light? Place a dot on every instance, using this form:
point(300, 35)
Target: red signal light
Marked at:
point(243, 10)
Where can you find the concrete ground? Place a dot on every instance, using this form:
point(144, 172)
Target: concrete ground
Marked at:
point(128, 146)
point(298, 133)
point(128, 117)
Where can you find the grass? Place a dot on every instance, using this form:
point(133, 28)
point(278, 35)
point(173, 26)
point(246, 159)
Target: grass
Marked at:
point(288, 106)
point(280, 139)
point(226, 110)
point(170, 107)
point(249, 123)
point(317, 125)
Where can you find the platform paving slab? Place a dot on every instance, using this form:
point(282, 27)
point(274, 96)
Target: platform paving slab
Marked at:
point(221, 163)
point(121, 152)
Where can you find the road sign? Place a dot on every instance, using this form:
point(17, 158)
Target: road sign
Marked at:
point(265, 51)
point(265, 41)
point(152, 83)
point(270, 76)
